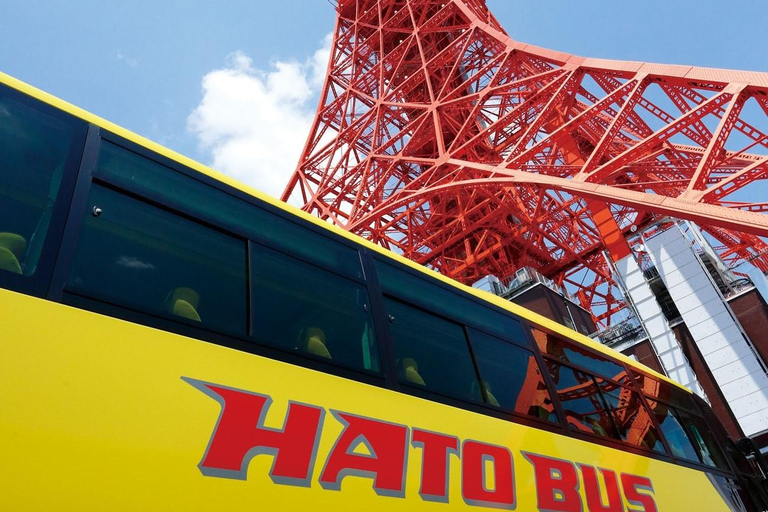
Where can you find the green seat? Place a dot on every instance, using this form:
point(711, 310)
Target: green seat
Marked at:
point(183, 302)
point(491, 399)
point(475, 392)
point(315, 343)
point(411, 372)
point(12, 247)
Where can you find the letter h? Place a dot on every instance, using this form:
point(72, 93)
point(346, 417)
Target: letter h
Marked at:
point(240, 435)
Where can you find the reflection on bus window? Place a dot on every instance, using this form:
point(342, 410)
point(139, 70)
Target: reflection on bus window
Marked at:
point(716, 432)
point(34, 149)
point(299, 307)
point(672, 427)
point(432, 353)
point(656, 388)
point(137, 255)
point(704, 441)
point(582, 402)
point(632, 419)
point(418, 290)
point(511, 377)
point(557, 348)
point(128, 169)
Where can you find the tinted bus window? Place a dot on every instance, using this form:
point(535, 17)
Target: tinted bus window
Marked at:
point(143, 257)
point(299, 307)
point(147, 177)
point(556, 347)
point(417, 290)
point(632, 419)
point(35, 150)
point(511, 377)
point(658, 389)
point(702, 437)
point(432, 353)
point(672, 427)
point(720, 438)
point(582, 402)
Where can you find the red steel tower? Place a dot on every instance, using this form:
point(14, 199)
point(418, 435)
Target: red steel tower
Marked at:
point(440, 137)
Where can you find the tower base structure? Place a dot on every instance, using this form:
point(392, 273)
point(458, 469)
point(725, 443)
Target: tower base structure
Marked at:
point(702, 325)
point(693, 320)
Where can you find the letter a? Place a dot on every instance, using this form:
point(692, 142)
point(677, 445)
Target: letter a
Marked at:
point(387, 447)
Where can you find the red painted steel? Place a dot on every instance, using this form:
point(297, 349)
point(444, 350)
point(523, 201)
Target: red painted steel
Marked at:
point(440, 137)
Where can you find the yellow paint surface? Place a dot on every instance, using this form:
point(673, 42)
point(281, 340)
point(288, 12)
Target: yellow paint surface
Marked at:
point(94, 415)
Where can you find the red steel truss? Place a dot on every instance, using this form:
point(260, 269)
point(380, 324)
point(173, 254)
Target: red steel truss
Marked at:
point(440, 137)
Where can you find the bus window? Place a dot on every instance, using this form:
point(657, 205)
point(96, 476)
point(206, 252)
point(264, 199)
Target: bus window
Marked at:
point(632, 419)
point(417, 290)
point(147, 177)
point(657, 389)
point(703, 439)
point(672, 427)
point(511, 377)
point(299, 307)
point(583, 404)
point(719, 436)
point(432, 353)
point(34, 151)
point(140, 256)
point(557, 348)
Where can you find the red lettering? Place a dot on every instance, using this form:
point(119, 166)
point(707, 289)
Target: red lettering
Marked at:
point(241, 435)
point(474, 456)
point(632, 484)
point(557, 484)
point(436, 451)
point(387, 444)
point(592, 490)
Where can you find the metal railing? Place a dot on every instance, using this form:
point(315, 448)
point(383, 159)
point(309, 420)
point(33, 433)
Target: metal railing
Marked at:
point(527, 276)
point(626, 330)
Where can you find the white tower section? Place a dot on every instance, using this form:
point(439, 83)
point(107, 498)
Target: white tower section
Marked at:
point(727, 351)
point(646, 307)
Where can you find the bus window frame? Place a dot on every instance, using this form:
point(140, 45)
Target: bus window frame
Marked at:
point(233, 229)
point(177, 213)
point(484, 408)
point(525, 343)
point(255, 339)
point(607, 441)
point(560, 427)
point(93, 302)
point(410, 389)
point(39, 283)
point(689, 408)
point(631, 387)
point(69, 222)
point(543, 372)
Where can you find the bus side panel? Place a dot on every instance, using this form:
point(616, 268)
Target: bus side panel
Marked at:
point(96, 414)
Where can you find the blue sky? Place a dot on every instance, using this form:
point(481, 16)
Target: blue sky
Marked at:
point(163, 68)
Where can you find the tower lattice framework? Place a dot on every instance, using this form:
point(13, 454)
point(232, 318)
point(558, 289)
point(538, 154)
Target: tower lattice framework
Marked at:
point(440, 137)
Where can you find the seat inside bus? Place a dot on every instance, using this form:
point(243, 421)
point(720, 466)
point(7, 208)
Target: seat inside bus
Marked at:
point(411, 371)
point(12, 248)
point(313, 342)
point(183, 302)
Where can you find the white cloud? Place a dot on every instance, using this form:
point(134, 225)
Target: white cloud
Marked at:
point(254, 122)
point(134, 263)
point(130, 61)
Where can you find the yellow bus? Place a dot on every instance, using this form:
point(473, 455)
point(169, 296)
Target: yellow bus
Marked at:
point(174, 340)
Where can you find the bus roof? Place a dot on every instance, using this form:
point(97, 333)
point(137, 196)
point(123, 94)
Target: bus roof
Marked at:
point(168, 153)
